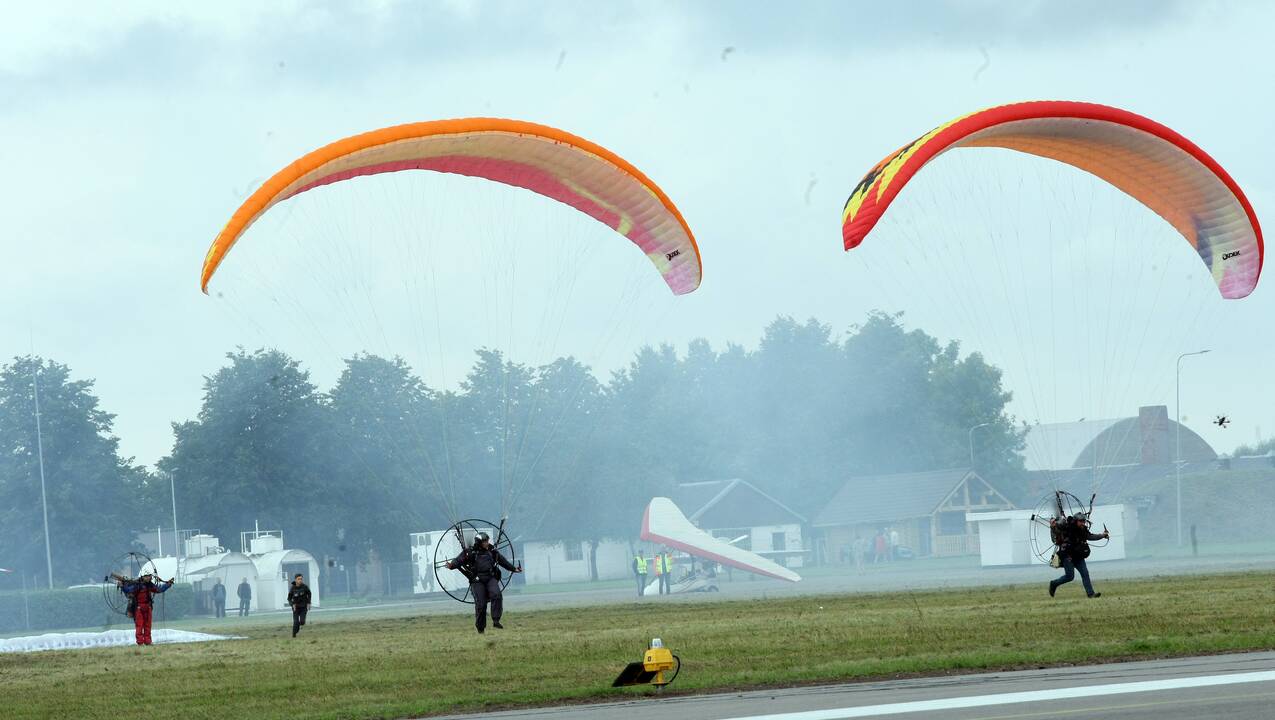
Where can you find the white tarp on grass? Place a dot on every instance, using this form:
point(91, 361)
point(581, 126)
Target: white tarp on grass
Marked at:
point(106, 638)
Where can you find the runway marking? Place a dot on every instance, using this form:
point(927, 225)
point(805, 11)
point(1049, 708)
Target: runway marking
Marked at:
point(1127, 706)
point(972, 701)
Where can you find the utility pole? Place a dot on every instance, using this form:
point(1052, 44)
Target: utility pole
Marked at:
point(1177, 431)
point(177, 547)
point(39, 447)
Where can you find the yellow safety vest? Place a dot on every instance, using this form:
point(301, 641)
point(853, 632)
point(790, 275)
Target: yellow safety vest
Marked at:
point(664, 567)
point(641, 565)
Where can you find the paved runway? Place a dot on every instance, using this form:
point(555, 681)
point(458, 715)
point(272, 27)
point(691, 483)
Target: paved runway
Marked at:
point(1234, 687)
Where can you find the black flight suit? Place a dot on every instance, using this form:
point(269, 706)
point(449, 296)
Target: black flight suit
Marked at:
point(1072, 539)
point(299, 599)
point(483, 569)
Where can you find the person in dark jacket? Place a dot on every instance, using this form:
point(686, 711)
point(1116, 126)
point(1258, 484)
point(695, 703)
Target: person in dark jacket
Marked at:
point(481, 564)
point(1071, 535)
point(245, 597)
point(141, 595)
point(219, 599)
point(299, 600)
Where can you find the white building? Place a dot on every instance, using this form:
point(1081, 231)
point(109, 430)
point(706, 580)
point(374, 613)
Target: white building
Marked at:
point(263, 562)
point(1005, 538)
point(276, 566)
point(567, 561)
point(207, 562)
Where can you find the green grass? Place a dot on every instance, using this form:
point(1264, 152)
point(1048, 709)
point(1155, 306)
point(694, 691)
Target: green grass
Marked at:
point(390, 667)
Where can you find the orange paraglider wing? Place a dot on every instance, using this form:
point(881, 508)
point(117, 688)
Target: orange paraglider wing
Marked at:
point(547, 161)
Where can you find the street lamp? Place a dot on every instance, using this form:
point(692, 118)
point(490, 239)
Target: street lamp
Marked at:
point(172, 489)
point(39, 448)
point(972, 441)
point(1177, 431)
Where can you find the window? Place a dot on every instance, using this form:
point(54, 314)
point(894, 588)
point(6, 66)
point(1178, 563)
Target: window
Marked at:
point(574, 550)
point(779, 541)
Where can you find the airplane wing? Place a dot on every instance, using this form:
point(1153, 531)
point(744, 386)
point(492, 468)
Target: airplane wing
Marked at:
point(664, 523)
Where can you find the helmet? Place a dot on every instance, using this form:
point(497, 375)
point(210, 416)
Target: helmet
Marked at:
point(481, 537)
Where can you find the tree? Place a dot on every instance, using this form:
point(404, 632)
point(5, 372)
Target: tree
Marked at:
point(485, 428)
point(92, 494)
point(387, 470)
point(256, 451)
point(569, 458)
point(556, 489)
point(800, 388)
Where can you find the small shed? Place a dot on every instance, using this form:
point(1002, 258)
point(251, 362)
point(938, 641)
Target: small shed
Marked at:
point(1005, 538)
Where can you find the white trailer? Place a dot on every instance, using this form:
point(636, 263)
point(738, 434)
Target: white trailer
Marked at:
point(1005, 538)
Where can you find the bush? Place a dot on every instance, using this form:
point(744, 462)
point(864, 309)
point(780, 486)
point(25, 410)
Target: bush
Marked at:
point(80, 608)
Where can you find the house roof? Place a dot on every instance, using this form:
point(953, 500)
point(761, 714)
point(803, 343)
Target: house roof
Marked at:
point(888, 498)
point(717, 504)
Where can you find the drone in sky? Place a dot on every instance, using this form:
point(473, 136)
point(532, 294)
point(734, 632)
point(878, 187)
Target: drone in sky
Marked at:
point(1222, 421)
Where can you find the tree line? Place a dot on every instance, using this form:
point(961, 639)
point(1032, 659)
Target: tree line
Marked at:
point(567, 456)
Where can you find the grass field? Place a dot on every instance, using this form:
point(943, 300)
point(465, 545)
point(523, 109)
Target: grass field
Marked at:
point(391, 667)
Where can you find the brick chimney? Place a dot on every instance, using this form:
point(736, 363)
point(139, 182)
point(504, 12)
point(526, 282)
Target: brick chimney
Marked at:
point(1153, 429)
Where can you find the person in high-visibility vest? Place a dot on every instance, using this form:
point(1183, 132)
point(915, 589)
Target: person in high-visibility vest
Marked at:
point(639, 569)
point(664, 567)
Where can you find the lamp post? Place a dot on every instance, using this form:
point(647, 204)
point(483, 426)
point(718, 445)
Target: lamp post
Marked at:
point(172, 489)
point(39, 449)
point(972, 441)
point(1177, 432)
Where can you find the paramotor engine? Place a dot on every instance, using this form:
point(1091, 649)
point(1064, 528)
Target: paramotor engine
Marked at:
point(461, 536)
point(1051, 512)
point(126, 567)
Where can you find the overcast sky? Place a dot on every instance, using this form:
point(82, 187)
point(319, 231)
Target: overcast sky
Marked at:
point(132, 132)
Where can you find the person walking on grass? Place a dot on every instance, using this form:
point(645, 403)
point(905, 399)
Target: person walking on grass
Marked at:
point(1071, 536)
point(481, 563)
point(299, 601)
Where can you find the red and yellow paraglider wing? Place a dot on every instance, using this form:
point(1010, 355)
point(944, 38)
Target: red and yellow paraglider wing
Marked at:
point(544, 160)
point(1150, 162)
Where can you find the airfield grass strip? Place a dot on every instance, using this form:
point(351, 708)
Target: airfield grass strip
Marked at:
point(414, 666)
